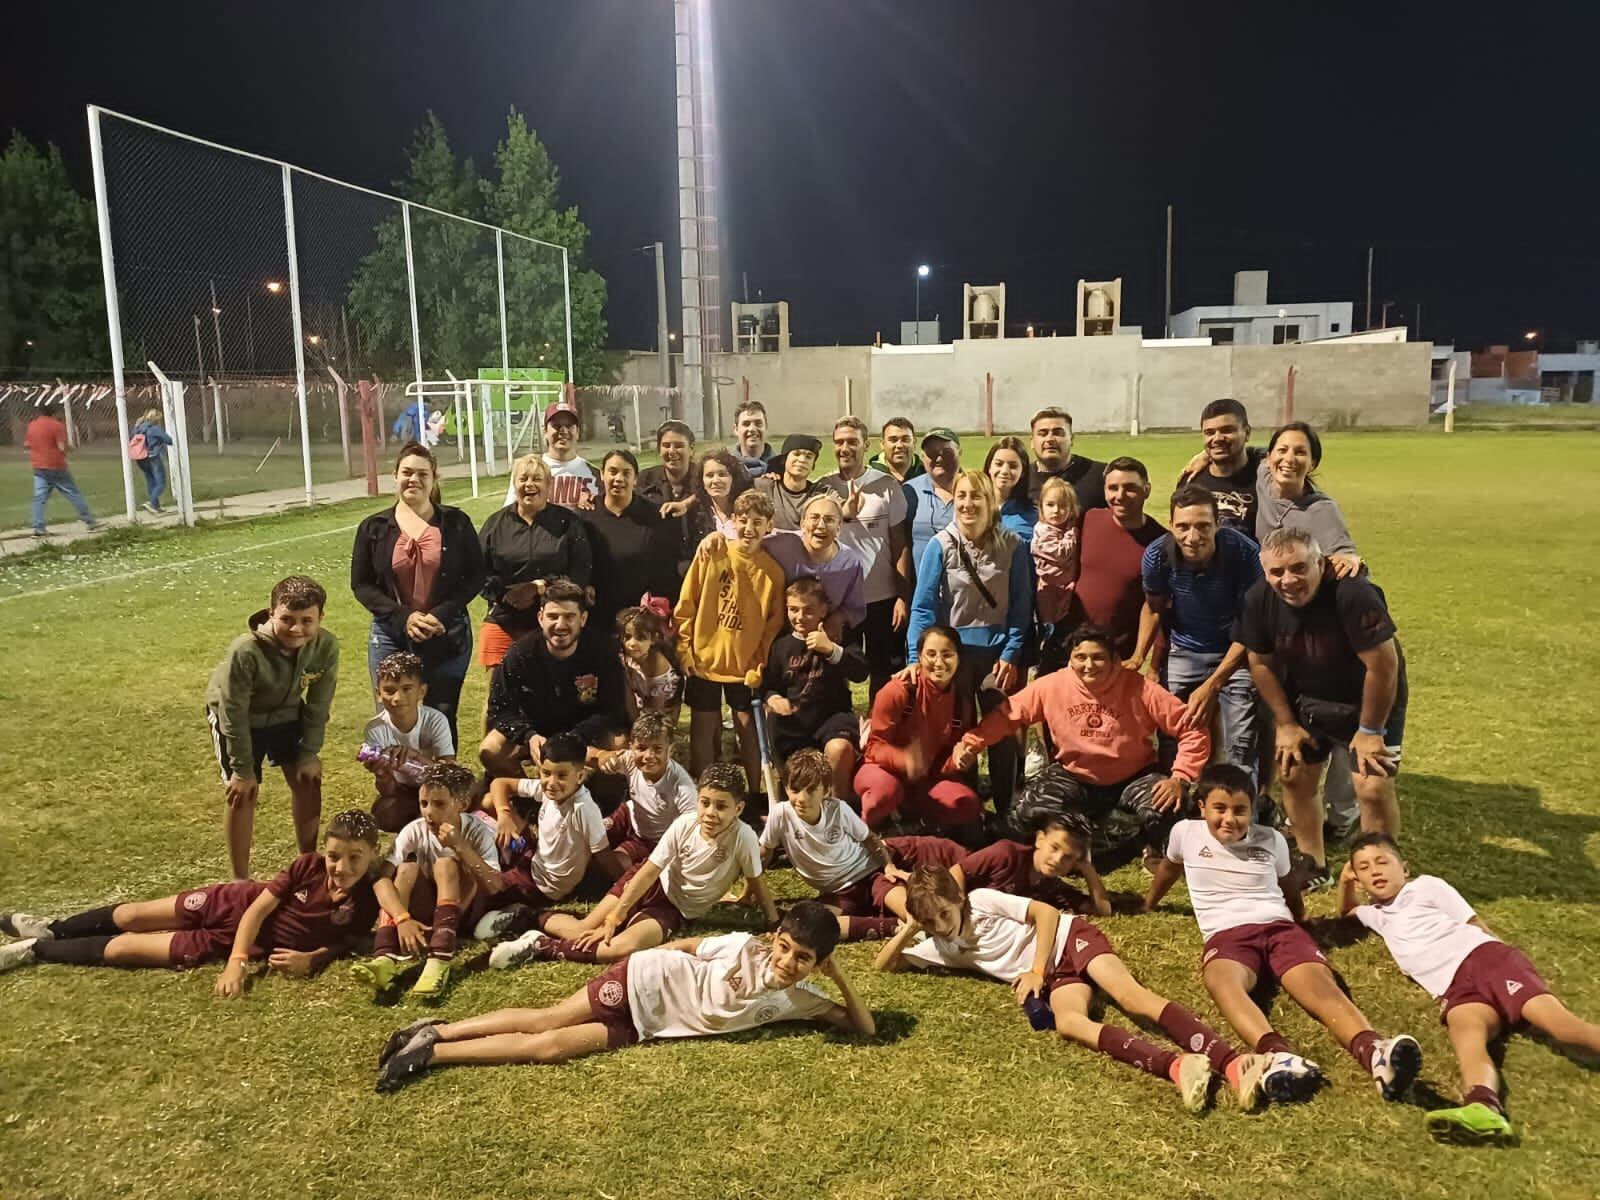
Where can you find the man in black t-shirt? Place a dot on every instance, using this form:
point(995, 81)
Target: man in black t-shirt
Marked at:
point(1053, 457)
point(1229, 465)
point(1327, 663)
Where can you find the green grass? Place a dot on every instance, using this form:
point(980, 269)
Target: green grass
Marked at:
point(139, 1084)
point(1524, 416)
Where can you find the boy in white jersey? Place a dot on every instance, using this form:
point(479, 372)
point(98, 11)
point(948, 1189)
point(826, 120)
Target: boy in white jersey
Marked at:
point(1053, 962)
point(1485, 988)
point(689, 988)
point(1248, 908)
point(692, 867)
point(828, 844)
point(548, 830)
point(659, 792)
point(404, 728)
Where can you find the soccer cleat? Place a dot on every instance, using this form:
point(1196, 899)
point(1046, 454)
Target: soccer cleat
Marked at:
point(399, 1038)
point(1470, 1125)
point(517, 951)
point(434, 980)
point(1311, 876)
point(500, 922)
point(1290, 1079)
point(409, 1061)
point(16, 954)
point(26, 925)
point(383, 972)
point(1194, 1081)
point(1246, 1080)
point(1395, 1064)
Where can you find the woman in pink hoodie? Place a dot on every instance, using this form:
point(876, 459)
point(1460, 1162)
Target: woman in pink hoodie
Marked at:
point(1102, 719)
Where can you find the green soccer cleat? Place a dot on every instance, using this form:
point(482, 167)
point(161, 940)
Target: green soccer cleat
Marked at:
point(1469, 1125)
point(430, 986)
point(383, 973)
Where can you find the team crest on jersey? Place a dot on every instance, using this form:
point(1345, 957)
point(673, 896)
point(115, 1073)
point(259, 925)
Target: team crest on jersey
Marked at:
point(1197, 1042)
point(1512, 987)
point(303, 895)
point(612, 994)
point(588, 688)
point(1257, 854)
point(765, 1013)
point(194, 901)
point(720, 854)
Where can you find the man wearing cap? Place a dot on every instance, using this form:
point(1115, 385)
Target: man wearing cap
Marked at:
point(898, 456)
point(572, 479)
point(670, 485)
point(788, 483)
point(750, 432)
point(930, 504)
point(1053, 457)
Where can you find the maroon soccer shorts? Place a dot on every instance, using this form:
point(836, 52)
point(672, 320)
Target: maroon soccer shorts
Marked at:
point(653, 904)
point(1085, 943)
point(208, 918)
point(1498, 975)
point(621, 835)
point(1278, 946)
point(859, 899)
point(608, 1004)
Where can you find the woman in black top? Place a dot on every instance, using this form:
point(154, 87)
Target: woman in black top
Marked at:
point(634, 551)
point(525, 545)
point(416, 567)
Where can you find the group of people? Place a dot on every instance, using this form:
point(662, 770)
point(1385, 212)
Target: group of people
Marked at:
point(1171, 672)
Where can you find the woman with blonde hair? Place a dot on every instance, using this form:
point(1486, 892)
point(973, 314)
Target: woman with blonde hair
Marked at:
point(148, 448)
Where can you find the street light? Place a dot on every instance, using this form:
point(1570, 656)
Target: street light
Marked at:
point(923, 271)
point(1531, 336)
point(274, 286)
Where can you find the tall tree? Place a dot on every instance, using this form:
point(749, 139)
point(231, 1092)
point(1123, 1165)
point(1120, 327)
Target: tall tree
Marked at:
point(456, 272)
point(52, 307)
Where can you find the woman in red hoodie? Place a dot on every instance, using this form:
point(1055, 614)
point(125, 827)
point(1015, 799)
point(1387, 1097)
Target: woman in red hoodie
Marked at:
point(916, 724)
point(1102, 719)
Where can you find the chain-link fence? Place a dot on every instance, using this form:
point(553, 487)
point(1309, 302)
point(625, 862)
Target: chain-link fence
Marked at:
point(287, 327)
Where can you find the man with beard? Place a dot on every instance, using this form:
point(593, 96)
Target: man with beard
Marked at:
point(1053, 456)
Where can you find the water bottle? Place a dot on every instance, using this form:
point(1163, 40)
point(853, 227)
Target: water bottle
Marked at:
point(1039, 1014)
point(409, 771)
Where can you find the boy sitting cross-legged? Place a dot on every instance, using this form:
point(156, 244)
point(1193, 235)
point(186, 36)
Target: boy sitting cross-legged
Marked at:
point(697, 860)
point(689, 988)
point(1248, 907)
point(1485, 987)
point(1053, 963)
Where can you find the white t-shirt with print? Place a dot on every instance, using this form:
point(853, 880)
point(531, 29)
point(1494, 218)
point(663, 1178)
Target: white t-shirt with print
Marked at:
point(828, 855)
point(569, 834)
point(724, 986)
point(695, 873)
point(883, 506)
point(417, 843)
point(569, 481)
point(1235, 885)
point(431, 733)
point(1426, 929)
point(653, 807)
point(1000, 942)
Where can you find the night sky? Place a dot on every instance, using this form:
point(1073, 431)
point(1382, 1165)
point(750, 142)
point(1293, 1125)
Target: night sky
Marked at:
point(1029, 143)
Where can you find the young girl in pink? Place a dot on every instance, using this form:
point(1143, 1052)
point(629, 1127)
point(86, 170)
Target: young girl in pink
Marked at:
point(1055, 551)
point(655, 685)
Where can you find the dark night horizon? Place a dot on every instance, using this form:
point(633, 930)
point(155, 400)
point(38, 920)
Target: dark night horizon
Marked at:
point(1025, 143)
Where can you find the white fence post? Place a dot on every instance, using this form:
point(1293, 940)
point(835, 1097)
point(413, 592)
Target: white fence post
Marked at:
point(566, 293)
point(216, 410)
point(505, 351)
point(299, 334)
point(108, 271)
point(416, 337)
point(471, 434)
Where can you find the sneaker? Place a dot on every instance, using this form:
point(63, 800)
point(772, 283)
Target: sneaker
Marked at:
point(517, 951)
point(26, 925)
point(150, 508)
point(1469, 1125)
point(16, 954)
point(1395, 1065)
point(435, 978)
point(1312, 876)
point(1194, 1081)
point(409, 1061)
point(399, 1038)
point(1290, 1079)
point(383, 972)
point(92, 526)
point(502, 922)
point(1034, 766)
point(1246, 1080)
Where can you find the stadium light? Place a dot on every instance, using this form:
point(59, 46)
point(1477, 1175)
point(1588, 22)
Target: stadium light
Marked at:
point(1531, 336)
point(274, 286)
point(923, 271)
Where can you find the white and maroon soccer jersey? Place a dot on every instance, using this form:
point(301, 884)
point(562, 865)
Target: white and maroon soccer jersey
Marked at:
point(828, 855)
point(695, 873)
point(417, 843)
point(1426, 929)
point(998, 941)
point(724, 986)
point(1232, 885)
point(652, 807)
point(569, 834)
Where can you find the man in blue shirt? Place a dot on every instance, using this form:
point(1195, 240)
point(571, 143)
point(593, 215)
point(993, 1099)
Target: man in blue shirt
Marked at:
point(1195, 578)
point(930, 504)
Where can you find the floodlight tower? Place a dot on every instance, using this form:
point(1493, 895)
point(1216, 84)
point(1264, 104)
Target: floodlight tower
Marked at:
point(698, 234)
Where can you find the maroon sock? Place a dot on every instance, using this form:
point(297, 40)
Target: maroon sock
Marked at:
point(442, 941)
point(1273, 1042)
point(566, 951)
point(1195, 1036)
point(1129, 1048)
point(387, 940)
point(1363, 1046)
point(871, 927)
point(1484, 1095)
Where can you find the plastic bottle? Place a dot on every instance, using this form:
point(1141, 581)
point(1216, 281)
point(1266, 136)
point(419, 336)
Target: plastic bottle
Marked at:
point(1040, 1015)
point(408, 771)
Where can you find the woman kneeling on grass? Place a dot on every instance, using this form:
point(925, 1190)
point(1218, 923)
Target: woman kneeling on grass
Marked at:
point(299, 922)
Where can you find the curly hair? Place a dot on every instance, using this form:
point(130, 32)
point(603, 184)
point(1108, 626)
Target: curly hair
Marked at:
point(725, 777)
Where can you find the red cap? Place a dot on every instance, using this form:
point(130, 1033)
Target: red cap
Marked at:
point(562, 409)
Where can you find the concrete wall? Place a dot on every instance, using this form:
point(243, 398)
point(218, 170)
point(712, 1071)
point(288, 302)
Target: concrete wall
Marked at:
point(1176, 382)
point(1336, 386)
point(803, 388)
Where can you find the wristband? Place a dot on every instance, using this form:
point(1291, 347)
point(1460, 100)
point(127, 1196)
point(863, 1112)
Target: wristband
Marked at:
point(401, 919)
point(1370, 732)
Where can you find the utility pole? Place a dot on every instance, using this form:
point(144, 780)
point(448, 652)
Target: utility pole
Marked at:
point(1166, 328)
point(1369, 287)
point(661, 316)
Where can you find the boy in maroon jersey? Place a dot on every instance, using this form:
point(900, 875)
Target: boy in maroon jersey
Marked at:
point(1038, 871)
point(306, 916)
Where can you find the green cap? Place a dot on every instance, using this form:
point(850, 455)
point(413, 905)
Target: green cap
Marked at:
point(941, 434)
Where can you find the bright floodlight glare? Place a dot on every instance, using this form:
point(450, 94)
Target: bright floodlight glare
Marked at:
point(1531, 335)
point(922, 271)
point(274, 286)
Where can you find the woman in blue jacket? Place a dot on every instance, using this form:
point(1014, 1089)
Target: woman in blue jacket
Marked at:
point(154, 463)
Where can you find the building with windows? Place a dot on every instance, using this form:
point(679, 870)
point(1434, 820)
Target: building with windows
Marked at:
point(1253, 321)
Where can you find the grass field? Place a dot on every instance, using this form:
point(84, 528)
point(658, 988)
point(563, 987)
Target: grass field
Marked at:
point(138, 1084)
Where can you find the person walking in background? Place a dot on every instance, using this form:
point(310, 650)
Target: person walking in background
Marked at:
point(46, 443)
point(148, 449)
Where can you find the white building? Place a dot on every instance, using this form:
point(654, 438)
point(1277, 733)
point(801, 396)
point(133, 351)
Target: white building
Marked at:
point(1251, 321)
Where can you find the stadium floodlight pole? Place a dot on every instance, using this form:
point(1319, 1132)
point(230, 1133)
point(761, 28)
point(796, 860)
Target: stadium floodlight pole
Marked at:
point(108, 270)
point(566, 293)
point(416, 337)
point(505, 358)
point(299, 334)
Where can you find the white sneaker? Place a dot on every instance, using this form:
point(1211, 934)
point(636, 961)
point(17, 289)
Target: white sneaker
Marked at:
point(1035, 765)
point(1194, 1081)
point(493, 924)
point(16, 954)
point(517, 951)
point(1291, 1078)
point(26, 925)
point(1396, 1064)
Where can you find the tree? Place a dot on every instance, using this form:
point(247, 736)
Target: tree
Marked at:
point(52, 306)
point(457, 279)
